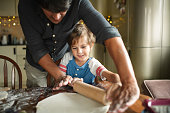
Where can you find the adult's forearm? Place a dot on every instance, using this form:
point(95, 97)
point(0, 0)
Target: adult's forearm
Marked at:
point(47, 63)
point(121, 58)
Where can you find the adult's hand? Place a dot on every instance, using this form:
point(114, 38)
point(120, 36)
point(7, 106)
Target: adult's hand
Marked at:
point(64, 81)
point(122, 97)
point(129, 92)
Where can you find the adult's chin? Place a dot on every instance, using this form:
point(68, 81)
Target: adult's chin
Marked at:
point(56, 22)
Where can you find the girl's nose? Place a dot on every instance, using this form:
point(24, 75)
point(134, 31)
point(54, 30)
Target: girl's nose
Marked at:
point(79, 50)
point(56, 16)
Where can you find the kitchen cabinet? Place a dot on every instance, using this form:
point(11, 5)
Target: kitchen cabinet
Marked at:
point(146, 63)
point(146, 29)
point(9, 51)
point(9, 8)
point(20, 59)
point(149, 38)
point(17, 53)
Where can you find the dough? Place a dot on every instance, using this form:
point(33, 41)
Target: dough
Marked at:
point(70, 103)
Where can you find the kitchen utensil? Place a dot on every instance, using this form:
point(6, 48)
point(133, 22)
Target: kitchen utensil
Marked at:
point(9, 39)
point(4, 40)
point(90, 91)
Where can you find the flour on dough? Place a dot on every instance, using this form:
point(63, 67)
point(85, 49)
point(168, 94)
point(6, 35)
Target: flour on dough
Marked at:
point(70, 103)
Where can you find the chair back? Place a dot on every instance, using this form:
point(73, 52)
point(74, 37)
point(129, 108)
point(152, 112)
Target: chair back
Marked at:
point(9, 69)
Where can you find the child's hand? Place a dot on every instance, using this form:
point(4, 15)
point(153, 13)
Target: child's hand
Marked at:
point(68, 80)
point(111, 77)
point(115, 79)
point(75, 79)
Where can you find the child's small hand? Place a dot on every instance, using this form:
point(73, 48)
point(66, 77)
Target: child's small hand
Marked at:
point(75, 79)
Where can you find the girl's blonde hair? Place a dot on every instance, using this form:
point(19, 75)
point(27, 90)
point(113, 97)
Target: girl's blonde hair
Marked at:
point(80, 31)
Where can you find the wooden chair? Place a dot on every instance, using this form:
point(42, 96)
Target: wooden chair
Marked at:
point(5, 65)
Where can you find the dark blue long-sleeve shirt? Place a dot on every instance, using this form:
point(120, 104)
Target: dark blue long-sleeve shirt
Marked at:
point(42, 38)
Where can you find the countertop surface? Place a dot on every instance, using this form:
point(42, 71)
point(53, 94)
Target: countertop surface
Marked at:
point(25, 100)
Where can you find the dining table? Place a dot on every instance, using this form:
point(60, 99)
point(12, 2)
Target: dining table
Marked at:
point(25, 100)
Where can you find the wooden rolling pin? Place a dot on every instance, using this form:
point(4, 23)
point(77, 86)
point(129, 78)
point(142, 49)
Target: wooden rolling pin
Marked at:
point(90, 91)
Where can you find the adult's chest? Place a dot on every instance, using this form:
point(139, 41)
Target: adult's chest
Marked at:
point(61, 31)
point(56, 36)
point(58, 33)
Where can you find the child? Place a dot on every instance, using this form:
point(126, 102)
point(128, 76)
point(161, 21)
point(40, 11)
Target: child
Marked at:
point(78, 64)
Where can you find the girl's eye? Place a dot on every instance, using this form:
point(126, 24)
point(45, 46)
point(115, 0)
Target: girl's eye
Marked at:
point(83, 47)
point(74, 48)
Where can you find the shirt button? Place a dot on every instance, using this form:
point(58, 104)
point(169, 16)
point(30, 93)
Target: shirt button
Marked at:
point(77, 69)
point(53, 36)
point(54, 49)
point(52, 58)
point(55, 42)
point(76, 74)
point(48, 24)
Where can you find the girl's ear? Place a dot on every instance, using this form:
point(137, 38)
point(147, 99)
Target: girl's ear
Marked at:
point(91, 45)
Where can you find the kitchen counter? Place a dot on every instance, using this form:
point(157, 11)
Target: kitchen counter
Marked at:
point(25, 100)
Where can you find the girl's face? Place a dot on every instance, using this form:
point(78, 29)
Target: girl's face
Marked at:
point(81, 50)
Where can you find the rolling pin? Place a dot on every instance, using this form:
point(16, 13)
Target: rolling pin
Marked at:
point(90, 91)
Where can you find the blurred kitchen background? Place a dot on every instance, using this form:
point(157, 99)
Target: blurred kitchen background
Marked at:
point(143, 24)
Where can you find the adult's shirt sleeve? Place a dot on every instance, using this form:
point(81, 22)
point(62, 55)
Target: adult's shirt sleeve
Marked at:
point(96, 22)
point(32, 29)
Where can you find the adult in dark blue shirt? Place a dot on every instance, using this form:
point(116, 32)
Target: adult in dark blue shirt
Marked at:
point(46, 25)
